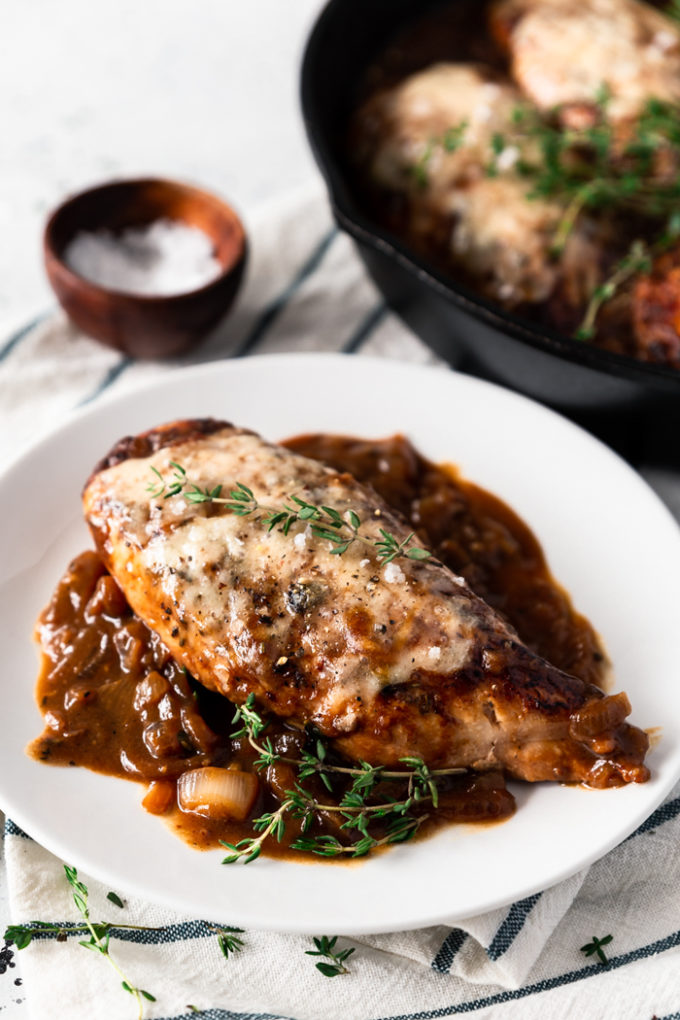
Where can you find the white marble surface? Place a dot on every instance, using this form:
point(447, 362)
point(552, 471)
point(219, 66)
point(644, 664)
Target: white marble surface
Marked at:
point(201, 90)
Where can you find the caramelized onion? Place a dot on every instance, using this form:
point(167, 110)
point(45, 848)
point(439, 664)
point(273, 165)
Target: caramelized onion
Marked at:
point(600, 715)
point(159, 797)
point(107, 599)
point(217, 793)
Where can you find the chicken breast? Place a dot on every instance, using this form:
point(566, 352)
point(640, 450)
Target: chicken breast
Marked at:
point(433, 138)
point(403, 134)
point(504, 240)
point(388, 660)
point(562, 52)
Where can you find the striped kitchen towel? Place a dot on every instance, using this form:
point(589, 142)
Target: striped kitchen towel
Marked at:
point(306, 290)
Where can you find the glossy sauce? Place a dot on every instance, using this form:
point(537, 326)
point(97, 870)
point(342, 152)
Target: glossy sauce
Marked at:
point(114, 700)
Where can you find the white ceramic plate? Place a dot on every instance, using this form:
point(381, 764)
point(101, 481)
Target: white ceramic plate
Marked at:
point(608, 539)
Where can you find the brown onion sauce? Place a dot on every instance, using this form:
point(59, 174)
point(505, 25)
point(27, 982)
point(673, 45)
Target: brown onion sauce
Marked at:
point(114, 700)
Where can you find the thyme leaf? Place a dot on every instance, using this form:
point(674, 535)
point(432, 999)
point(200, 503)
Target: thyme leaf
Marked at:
point(325, 947)
point(595, 948)
point(451, 140)
point(228, 940)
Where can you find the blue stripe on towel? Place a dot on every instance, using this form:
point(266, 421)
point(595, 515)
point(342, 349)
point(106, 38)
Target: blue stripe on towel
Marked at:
point(165, 935)
point(365, 328)
point(262, 324)
point(278, 304)
point(518, 913)
point(448, 950)
point(113, 373)
point(570, 977)
point(225, 1014)
point(511, 926)
point(12, 829)
point(17, 337)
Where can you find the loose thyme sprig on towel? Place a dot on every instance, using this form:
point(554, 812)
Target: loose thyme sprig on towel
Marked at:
point(100, 933)
point(360, 805)
point(325, 946)
point(594, 948)
point(228, 940)
point(325, 521)
point(21, 935)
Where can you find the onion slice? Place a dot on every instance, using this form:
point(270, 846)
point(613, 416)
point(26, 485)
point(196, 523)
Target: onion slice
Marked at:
point(600, 716)
point(217, 793)
point(159, 796)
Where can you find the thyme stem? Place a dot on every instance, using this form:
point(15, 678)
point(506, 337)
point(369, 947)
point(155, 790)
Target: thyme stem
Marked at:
point(345, 770)
point(569, 217)
point(328, 846)
point(637, 260)
point(250, 849)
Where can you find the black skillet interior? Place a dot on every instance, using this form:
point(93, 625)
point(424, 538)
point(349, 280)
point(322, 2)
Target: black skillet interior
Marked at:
point(633, 406)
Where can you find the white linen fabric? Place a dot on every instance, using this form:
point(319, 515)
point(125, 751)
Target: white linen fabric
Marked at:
point(306, 290)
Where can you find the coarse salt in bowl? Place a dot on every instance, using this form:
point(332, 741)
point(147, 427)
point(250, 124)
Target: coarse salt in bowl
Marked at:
point(147, 266)
point(163, 258)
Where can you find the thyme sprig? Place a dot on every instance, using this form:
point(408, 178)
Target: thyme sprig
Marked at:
point(359, 805)
point(99, 935)
point(599, 169)
point(228, 939)
point(325, 522)
point(316, 761)
point(269, 824)
point(637, 260)
point(325, 947)
point(594, 948)
point(595, 167)
point(21, 935)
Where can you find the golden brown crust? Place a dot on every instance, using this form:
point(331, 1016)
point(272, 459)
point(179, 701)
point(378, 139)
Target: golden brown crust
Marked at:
point(146, 443)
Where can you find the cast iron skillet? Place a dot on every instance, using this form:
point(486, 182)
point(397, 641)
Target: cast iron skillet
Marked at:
point(633, 405)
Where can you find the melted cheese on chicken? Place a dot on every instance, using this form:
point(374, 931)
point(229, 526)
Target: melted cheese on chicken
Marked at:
point(564, 52)
point(405, 127)
point(505, 239)
point(494, 231)
point(210, 574)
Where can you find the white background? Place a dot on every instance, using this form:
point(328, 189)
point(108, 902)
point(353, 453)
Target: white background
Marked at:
point(201, 90)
